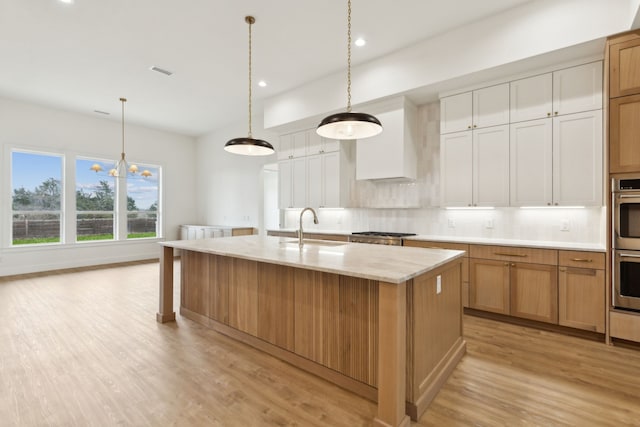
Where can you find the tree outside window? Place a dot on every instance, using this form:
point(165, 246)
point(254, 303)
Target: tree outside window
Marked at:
point(36, 183)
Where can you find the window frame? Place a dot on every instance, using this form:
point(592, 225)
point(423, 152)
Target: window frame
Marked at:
point(61, 212)
point(68, 212)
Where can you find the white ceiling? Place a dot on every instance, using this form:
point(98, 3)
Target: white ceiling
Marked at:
point(84, 56)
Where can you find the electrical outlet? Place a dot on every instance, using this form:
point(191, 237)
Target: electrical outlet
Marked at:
point(438, 284)
point(452, 223)
point(564, 226)
point(489, 223)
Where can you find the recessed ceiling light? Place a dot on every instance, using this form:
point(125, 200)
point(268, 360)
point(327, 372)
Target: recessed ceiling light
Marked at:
point(262, 83)
point(360, 42)
point(102, 112)
point(66, 1)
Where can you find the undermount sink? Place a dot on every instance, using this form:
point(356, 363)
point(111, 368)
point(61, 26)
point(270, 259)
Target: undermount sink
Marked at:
point(315, 242)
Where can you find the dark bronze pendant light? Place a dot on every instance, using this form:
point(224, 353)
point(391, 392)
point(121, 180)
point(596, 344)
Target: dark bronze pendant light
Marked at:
point(249, 146)
point(349, 125)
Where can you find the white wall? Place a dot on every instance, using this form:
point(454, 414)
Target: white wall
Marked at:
point(230, 186)
point(29, 126)
point(529, 31)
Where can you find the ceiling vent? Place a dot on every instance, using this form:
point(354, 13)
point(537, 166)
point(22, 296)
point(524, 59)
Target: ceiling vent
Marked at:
point(161, 70)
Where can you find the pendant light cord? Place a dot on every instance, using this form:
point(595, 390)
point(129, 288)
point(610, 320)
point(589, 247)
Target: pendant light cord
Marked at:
point(123, 100)
point(349, 57)
point(250, 21)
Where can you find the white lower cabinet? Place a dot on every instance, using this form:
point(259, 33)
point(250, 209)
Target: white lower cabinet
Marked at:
point(475, 167)
point(292, 183)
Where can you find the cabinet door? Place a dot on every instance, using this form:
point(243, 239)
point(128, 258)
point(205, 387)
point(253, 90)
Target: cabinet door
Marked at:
point(456, 162)
point(455, 113)
point(331, 180)
point(330, 145)
point(299, 144)
point(534, 292)
point(285, 186)
point(624, 68)
point(577, 159)
point(314, 143)
point(491, 106)
point(285, 147)
point(531, 163)
point(624, 128)
point(491, 166)
point(299, 182)
point(577, 89)
point(315, 197)
point(581, 298)
point(531, 98)
point(489, 285)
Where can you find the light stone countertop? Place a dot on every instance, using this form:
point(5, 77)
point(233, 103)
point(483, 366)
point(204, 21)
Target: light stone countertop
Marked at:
point(393, 264)
point(592, 247)
point(543, 244)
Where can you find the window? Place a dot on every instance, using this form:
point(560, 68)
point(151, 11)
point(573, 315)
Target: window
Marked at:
point(95, 196)
point(36, 186)
point(106, 208)
point(142, 202)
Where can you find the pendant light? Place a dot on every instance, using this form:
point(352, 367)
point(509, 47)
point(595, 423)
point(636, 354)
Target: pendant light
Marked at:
point(249, 146)
point(122, 167)
point(349, 125)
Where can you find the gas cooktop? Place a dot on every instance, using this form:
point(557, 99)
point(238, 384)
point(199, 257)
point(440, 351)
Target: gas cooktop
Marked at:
point(382, 234)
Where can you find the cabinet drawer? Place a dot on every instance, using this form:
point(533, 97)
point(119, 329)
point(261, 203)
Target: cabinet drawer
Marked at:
point(514, 254)
point(625, 326)
point(581, 259)
point(437, 245)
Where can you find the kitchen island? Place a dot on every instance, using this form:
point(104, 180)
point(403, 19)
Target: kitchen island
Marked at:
point(384, 322)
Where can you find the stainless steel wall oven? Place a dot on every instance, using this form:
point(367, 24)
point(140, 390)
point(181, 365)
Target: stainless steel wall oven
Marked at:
point(626, 242)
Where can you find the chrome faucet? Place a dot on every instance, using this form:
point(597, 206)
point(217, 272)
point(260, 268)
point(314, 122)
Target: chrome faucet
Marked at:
point(300, 232)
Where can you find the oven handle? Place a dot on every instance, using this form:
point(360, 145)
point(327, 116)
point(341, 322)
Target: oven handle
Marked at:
point(628, 196)
point(628, 256)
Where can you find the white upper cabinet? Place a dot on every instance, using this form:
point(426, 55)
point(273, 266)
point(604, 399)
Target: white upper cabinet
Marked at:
point(456, 113)
point(293, 145)
point(391, 154)
point(317, 144)
point(567, 91)
point(477, 109)
point(491, 166)
point(577, 159)
point(456, 165)
point(531, 163)
point(577, 89)
point(292, 183)
point(326, 183)
point(475, 167)
point(531, 98)
point(491, 106)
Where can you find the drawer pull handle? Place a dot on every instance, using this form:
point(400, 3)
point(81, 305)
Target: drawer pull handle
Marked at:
point(581, 260)
point(505, 254)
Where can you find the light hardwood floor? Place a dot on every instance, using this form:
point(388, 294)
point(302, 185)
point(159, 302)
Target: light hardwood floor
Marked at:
point(83, 348)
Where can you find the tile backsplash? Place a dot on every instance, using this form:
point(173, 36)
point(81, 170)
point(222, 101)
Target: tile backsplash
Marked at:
point(585, 225)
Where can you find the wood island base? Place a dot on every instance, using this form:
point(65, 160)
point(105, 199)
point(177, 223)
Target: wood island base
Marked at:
point(393, 343)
